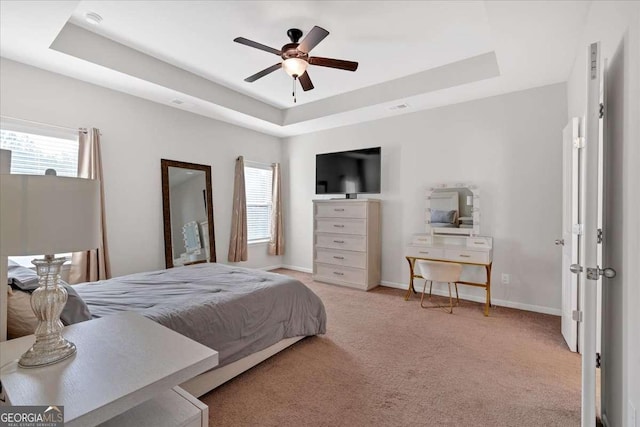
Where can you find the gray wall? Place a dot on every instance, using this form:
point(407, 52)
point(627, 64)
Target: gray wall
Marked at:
point(508, 145)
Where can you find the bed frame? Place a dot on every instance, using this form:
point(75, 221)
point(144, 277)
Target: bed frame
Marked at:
point(209, 380)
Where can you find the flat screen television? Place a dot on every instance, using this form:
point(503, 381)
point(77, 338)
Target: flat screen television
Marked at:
point(348, 172)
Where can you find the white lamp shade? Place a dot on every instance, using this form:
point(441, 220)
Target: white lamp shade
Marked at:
point(42, 215)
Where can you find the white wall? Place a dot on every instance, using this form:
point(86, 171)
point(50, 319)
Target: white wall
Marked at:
point(509, 145)
point(617, 26)
point(136, 134)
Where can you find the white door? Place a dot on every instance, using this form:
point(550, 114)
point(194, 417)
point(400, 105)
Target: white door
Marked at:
point(571, 143)
point(590, 251)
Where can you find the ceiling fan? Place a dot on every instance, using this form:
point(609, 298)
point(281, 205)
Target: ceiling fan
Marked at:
point(296, 59)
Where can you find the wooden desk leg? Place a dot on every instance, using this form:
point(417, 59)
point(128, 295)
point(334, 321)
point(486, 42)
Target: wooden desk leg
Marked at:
point(411, 288)
point(488, 301)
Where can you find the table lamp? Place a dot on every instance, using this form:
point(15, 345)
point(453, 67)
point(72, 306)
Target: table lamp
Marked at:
point(48, 215)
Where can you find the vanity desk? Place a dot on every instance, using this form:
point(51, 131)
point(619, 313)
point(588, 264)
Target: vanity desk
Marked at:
point(474, 251)
point(452, 218)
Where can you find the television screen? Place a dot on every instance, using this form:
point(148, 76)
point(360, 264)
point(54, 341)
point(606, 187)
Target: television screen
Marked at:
point(348, 172)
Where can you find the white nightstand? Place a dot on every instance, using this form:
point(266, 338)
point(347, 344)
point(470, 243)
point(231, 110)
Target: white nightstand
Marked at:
point(126, 372)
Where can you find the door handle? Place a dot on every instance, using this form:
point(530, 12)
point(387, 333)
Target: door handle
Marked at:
point(595, 273)
point(576, 268)
point(560, 242)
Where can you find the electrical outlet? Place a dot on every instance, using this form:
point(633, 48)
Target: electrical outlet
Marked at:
point(506, 278)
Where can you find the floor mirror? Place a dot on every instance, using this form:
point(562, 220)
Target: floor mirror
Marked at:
point(187, 206)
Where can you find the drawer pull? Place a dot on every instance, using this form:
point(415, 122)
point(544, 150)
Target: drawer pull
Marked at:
point(338, 241)
point(338, 257)
point(478, 243)
point(465, 256)
point(338, 225)
point(337, 273)
point(423, 252)
point(338, 210)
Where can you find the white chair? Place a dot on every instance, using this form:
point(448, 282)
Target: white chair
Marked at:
point(434, 271)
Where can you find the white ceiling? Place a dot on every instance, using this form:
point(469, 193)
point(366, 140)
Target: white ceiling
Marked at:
point(498, 47)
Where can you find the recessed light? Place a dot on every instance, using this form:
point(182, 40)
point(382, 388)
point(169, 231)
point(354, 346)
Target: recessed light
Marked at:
point(93, 18)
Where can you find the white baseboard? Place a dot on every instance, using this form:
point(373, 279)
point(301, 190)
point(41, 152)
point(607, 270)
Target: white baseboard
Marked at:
point(295, 268)
point(270, 267)
point(475, 298)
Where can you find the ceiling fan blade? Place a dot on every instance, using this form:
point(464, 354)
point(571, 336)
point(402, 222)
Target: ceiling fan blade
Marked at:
point(257, 45)
point(305, 81)
point(263, 73)
point(315, 36)
point(333, 63)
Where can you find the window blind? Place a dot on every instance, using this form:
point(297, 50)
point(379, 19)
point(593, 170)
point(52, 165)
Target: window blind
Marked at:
point(33, 154)
point(258, 192)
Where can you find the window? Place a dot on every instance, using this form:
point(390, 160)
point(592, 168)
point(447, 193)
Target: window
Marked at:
point(257, 180)
point(33, 151)
point(33, 154)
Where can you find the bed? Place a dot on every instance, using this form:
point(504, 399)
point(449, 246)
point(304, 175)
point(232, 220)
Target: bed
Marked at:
point(246, 315)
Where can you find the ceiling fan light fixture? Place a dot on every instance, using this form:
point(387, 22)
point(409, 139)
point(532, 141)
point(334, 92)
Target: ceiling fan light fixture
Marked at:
point(295, 66)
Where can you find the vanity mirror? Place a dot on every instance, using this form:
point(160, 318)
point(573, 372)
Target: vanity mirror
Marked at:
point(453, 209)
point(187, 208)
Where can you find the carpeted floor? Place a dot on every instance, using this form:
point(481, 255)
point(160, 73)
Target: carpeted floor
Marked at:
point(387, 362)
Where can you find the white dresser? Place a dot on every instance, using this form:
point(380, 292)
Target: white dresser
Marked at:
point(346, 239)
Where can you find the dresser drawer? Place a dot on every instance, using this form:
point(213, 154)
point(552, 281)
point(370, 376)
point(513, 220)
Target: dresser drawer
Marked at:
point(344, 258)
point(341, 210)
point(337, 241)
point(422, 239)
point(480, 242)
point(425, 252)
point(343, 274)
point(467, 256)
point(342, 226)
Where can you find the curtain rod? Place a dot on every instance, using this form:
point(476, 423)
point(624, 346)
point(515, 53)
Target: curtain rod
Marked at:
point(83, 130)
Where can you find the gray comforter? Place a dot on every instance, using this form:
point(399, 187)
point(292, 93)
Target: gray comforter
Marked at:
point(235, 311)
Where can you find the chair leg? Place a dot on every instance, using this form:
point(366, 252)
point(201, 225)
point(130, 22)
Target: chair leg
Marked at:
point(450, 299)
point(430, 287)
point(423, 291)
point(457, 297)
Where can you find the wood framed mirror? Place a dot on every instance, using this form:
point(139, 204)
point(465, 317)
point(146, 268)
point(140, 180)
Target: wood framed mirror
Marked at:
point(187, 208)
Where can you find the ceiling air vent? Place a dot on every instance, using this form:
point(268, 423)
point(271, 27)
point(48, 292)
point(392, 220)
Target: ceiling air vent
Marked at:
point(177, 102)
point(399, 107)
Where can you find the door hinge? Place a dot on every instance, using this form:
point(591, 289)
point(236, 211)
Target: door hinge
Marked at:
point(600, 235)
point(601, 110)
point(578, 142)
point(598, 360)
point(577, 229)
point(576, 315)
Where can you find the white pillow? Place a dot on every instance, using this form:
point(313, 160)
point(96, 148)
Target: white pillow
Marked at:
point(21, 320)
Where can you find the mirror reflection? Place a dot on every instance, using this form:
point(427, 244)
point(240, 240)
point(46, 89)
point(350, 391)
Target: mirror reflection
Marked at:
point(186, 198)
point(451, 210)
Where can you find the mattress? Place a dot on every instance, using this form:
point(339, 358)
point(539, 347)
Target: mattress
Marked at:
point(235, 311)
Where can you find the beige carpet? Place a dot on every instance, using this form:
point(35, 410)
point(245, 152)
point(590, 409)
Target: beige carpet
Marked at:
point(387, 362)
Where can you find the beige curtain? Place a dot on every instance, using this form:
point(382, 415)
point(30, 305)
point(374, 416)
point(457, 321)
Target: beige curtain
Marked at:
point(276, 244)
point(238, 242)
point(89, 266)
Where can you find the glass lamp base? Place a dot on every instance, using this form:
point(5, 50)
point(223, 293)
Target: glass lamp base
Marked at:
point(47, 302)
point(36, 357)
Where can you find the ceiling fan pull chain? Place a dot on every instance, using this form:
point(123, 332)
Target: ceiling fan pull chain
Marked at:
point(294, 90)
